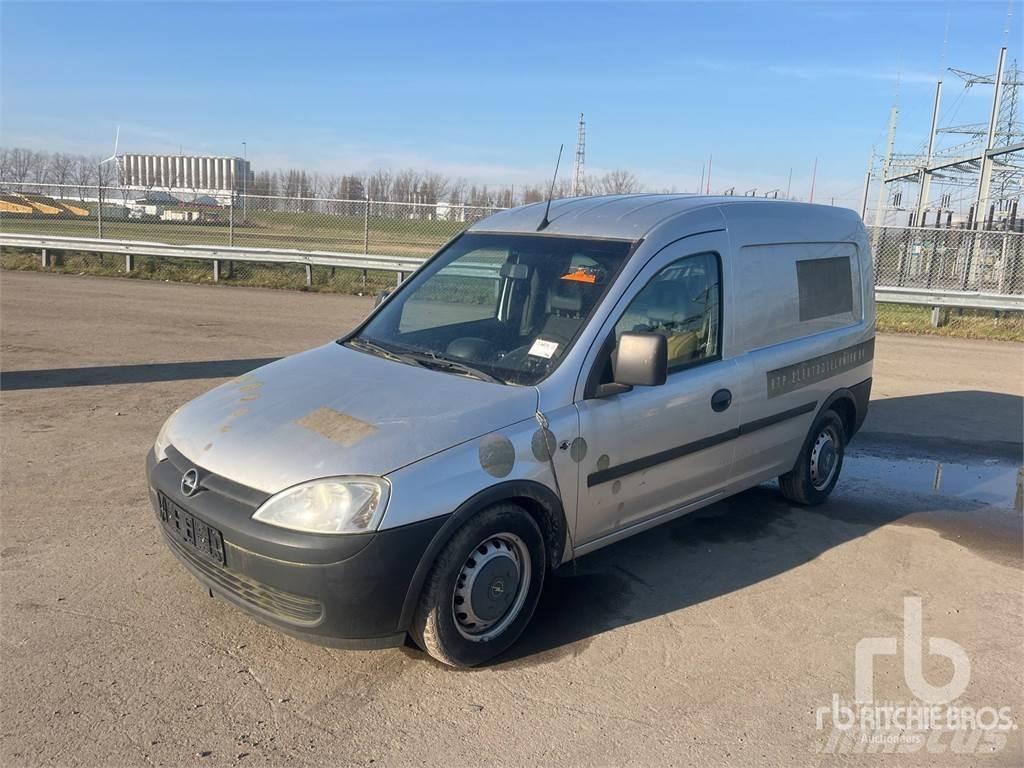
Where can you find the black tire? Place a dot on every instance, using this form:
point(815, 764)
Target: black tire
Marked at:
point(812, 479)
point(460, 642)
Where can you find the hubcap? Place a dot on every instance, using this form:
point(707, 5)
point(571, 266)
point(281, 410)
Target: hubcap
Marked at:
point(824, 458)
point(491, 587)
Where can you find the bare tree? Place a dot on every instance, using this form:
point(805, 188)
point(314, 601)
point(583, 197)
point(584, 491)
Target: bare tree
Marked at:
point(19, 166)
point(59, 170)
point(38, 161)
point(534, 193)
point(264, 183)
point(503, 198)
point(619, 182)
point(21, 162)
point(297, 183)
point(481, 196)
point(353, 188)
point(379, 185)
point(332, 185)
point(588, 186)
point(331, 189)
point(457, 190)
point(84, 175)
point(106, 173)
point(318, 185)
point(434, 187)
point(405, 186)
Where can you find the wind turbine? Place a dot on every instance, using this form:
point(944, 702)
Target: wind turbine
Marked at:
point(99, 183)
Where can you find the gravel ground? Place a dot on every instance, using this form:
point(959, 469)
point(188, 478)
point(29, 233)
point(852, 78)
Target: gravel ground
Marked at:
point(710, 640)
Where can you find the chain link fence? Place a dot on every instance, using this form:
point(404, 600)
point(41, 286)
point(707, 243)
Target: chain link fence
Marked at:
point(412, 229)
point(920, 258)
point(949, 259)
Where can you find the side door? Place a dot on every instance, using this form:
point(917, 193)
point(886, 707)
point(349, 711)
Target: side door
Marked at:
point(653, 450)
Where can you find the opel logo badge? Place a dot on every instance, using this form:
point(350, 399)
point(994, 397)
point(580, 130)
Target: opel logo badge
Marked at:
point(189, 482)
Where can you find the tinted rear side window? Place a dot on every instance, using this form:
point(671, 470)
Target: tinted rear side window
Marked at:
point(786, 291)
point(825, 287)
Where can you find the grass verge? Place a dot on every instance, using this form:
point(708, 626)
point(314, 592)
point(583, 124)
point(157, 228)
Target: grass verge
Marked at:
point(288, 276)
point(964, 324)
point(892, 318)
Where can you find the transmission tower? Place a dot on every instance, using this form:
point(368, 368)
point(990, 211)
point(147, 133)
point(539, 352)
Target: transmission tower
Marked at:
point(978, 166)
point(578, 185)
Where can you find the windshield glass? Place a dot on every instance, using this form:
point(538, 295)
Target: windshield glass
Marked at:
point(498, 307)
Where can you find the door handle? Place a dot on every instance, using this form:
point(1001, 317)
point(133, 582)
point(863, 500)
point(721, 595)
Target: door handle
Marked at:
point(721, 400)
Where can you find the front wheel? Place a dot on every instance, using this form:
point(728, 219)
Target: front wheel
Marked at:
point(821, 460)
point(483, 588)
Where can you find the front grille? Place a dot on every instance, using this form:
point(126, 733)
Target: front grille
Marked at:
point(294, 609)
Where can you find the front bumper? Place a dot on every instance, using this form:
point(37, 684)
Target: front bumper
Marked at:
point(345, 591)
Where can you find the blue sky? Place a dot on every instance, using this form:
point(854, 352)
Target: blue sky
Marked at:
point(488, 91)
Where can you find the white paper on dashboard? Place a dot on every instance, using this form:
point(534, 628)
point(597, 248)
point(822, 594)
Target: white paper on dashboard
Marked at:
point(544, 348)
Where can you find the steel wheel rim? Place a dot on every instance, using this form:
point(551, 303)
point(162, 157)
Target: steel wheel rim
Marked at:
point(491, 587)
point(825, 456)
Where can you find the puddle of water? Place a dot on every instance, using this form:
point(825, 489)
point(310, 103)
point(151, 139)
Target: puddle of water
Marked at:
point(995, 483)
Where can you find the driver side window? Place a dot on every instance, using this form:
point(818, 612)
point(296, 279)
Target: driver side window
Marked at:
point(456, 293)
point(681, 303)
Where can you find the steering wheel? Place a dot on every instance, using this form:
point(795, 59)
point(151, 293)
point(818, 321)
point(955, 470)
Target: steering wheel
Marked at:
point(470, 348)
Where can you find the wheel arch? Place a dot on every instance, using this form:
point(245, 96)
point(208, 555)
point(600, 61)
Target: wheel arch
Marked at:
point(851, 404)
point(539, 501)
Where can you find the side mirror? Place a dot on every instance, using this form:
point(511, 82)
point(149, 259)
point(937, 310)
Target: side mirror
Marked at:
point(641, 360)
point(380, 297)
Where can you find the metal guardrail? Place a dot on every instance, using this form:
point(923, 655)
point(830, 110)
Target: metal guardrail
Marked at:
point(132, 248)
point(403, 265)
point(400, 265)
point(933, 298)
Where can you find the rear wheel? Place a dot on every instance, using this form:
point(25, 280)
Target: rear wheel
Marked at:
point(483, 588)
point(821, 460)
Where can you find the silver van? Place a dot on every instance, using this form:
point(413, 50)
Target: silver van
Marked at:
point(547, 384)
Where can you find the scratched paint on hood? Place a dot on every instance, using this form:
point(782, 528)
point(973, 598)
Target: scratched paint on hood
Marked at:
point(335, 411)
point(336, 426)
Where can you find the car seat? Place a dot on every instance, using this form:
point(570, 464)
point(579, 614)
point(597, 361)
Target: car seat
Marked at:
point(677, 311)
point(564, 311)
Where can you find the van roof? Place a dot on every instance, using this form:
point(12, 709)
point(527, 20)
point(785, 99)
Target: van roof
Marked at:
point(627, 217)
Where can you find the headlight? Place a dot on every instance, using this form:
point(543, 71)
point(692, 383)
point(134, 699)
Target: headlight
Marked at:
point(163, 442)
point(332, 505)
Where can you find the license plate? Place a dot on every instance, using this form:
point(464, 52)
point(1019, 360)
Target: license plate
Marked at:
point(190, 530)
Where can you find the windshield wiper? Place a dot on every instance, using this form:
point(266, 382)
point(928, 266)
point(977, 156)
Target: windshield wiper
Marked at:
point(381, 351)
point(424, 359)
point(433, 360)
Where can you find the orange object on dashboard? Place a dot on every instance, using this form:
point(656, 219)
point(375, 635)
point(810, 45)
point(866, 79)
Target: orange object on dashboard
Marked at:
point(581, 276)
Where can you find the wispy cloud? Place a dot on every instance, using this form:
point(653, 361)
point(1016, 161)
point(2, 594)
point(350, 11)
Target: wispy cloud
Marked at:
point(715, 65)
point(818, 72)
point(809, 70)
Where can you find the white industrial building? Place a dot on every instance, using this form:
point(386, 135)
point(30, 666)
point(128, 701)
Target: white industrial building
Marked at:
point(209, 175)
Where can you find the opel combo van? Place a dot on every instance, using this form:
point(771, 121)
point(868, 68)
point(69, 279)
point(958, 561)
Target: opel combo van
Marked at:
point(545, 385)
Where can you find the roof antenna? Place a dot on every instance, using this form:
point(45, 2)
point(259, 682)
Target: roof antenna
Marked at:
point(544, 222)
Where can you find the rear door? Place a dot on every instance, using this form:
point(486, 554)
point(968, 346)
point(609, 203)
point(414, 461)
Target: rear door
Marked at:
point(652, 450)
point(799, 309)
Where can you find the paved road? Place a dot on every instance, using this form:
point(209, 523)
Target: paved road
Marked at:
point(710, 640)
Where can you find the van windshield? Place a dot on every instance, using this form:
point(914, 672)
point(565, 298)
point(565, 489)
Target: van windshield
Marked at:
point(498, 307)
